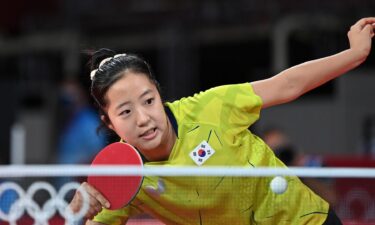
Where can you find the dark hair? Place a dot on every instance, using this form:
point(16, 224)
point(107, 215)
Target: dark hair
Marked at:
point(112, 70)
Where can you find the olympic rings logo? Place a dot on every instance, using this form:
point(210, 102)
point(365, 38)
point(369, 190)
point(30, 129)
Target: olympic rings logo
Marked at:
point(41, 215)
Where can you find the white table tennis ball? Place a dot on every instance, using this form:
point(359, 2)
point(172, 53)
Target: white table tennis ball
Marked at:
point(278, 185)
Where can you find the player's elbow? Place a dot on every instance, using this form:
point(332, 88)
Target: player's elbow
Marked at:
point(289, 90)
point(291, 94)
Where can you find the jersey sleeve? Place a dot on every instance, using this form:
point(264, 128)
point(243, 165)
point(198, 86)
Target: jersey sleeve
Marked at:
point(233, 106)
point(116, 217)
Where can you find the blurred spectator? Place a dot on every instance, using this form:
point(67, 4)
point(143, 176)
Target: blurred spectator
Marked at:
point(79, 140)
point(280, 143)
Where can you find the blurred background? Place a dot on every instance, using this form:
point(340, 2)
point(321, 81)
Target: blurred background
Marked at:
point(192, 45)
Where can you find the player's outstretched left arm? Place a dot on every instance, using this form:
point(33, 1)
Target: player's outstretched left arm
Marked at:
point(295, 81)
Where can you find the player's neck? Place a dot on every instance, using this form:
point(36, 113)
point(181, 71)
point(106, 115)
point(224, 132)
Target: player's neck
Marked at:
point(164, 150)
point(170, 140)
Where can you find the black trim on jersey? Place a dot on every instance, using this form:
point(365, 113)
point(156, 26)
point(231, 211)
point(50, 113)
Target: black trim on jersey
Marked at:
point(172, 119)
point(193, 129)
point(209, 135)
point(313, 213)
point(245, 210)
point(250, 163)
point(217, 136)
point(332, 218)
point(200, 217)
point(221, 180)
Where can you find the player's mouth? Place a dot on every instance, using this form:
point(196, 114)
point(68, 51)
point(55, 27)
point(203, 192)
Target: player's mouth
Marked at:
point(149, 134)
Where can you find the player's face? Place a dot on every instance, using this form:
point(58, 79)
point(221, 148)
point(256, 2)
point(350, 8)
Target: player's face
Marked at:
point(137, 115)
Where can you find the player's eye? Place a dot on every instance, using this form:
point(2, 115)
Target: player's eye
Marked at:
point(150, 101)
point(125, 112)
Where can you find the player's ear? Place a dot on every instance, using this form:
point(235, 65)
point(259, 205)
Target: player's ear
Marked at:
point(107, 122)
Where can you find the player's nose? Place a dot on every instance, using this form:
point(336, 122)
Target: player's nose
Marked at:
point(142, 117)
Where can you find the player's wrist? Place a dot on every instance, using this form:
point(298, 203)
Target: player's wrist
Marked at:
point(359, 54)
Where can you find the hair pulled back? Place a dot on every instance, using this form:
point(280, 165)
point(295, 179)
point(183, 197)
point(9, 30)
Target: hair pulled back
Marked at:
point(107, 68)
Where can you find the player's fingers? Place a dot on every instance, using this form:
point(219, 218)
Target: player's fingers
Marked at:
point(97, 195)
point(360, 24)
point(91, 213)
point(95, 204)
point(368, 29)
point(74, 207)
point(95, 207)
point(76, 203)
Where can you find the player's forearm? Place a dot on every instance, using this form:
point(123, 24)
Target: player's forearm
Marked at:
point(309, 75)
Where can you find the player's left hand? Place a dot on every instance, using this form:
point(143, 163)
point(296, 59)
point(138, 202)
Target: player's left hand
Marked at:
point(360, 35)
point(96, 201)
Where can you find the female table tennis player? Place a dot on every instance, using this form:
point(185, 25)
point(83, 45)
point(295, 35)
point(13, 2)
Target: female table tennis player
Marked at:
point(215, 121)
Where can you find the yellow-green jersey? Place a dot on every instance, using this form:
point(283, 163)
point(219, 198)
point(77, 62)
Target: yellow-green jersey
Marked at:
point(212, 130)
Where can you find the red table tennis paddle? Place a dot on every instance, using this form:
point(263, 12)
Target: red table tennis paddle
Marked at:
point(118, 190)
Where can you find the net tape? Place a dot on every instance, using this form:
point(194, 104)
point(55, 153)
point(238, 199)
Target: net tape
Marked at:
point(57, 202)
point(117, 170)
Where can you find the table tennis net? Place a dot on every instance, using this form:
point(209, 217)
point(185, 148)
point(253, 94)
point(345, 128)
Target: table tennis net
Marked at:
point(40, 194)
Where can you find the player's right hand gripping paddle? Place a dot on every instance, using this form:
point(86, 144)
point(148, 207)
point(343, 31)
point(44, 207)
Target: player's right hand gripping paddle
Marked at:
point(118, 190)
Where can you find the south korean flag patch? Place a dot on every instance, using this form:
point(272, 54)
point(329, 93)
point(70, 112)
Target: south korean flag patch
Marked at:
point(201, 153)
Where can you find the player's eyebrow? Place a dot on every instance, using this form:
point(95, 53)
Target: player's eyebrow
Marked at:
point(147, 91)
point(122, 104)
